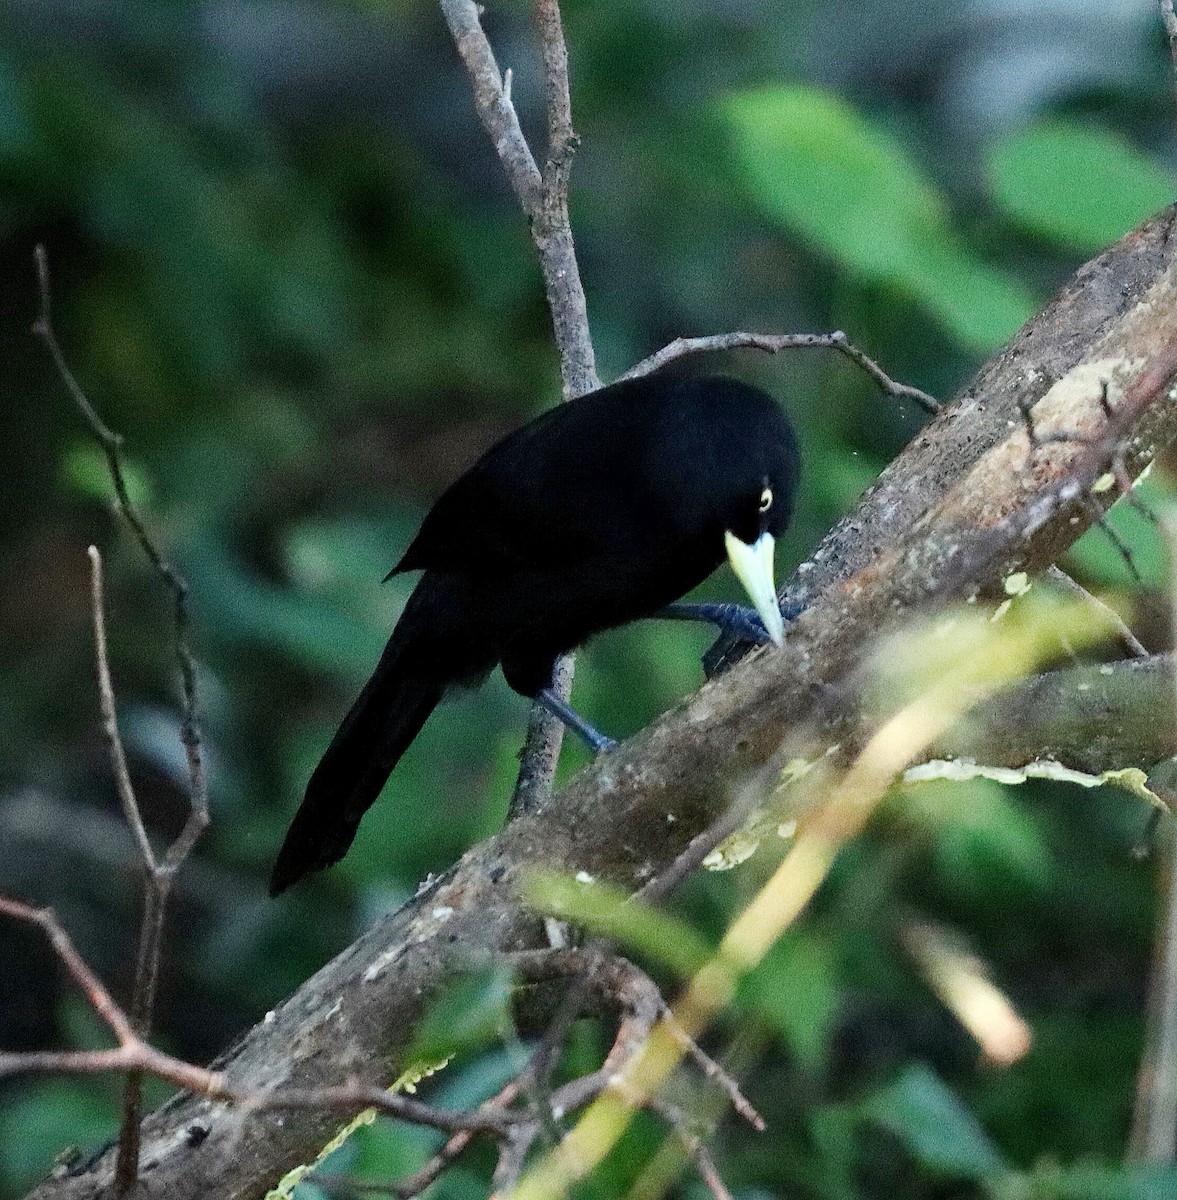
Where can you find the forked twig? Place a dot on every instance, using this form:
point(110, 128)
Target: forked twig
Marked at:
point(158, 872)
point(111, 444)
point(615, 980)
point(774, 343)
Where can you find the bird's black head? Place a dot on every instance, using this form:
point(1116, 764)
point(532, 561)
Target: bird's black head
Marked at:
point(729, 460)
point(762, 505)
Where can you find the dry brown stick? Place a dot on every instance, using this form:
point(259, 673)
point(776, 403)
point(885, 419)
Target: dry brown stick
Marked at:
point(704, 1164)
point(111, 444)
point(697, 849)
point(551, 231)
point(714, 1071)
point(562, 139)
point(415, 1184)
point(543, 197)
point(110, 725)
point(657, 888)
point(551, 228)
point(493, 103)
point(88, 983)
point(158, 874)
point(774, 343)
point(154, 894)
point(686, 1130)
point(1132, 643)
point(537, 1078)
point(1154, 1120)
point(624, 984)
point(134, 1054)
point(618, 980)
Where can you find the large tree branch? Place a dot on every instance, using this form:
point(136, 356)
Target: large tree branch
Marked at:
point(1090, 718)
point(969, 501)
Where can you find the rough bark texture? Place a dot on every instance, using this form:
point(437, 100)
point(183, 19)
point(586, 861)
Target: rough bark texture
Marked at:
point(1090, 320)
point(1090, 718)
point(967, 502)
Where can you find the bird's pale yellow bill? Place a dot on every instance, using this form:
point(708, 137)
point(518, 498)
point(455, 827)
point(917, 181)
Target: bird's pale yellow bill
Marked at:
point(753, 565)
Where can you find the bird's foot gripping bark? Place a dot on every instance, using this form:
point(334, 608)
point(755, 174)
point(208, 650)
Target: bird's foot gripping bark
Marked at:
point(735, 619)
point(594, 738)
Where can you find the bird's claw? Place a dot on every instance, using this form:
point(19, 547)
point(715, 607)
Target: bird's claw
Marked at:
point(735, 619)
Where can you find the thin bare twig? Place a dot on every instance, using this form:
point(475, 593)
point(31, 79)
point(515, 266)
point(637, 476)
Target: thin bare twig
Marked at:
point(159, 874)
point(544, 200)
point(110, 725)
point(641, 1005)
point(692, 855)
point(1037, 440)
point(111, 444)
point(415, 1184)
point(714, 1071)
point(540, 753)
point(131, 1054)
point(1154, 1120)
point(687, 1131)
point(1127, 488)
point(704, 1164)
point(147, 961)
point(1121, 547)
point(1154, 1124)
point(562, 139)
point(774, 343)
point(1131, 642)
point(88, 983)
point(616, 980)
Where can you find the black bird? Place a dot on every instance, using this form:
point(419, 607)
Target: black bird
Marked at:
point(603, 510)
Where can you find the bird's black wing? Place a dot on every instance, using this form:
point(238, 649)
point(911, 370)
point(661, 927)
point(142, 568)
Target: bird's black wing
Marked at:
point(554, 490)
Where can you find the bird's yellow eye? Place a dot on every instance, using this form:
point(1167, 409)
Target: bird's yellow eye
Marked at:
point(766, 500)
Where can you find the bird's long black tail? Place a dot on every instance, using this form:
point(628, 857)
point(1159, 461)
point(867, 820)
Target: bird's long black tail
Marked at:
point(387, 716)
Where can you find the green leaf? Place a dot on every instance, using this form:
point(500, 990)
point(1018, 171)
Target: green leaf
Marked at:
point(821, 170)
point(1074, 184)
point(795, 989)
point(984, 841)
point(602, 909)
point(1143, 1183)
point(44, 1119)
point(473, 1012)
point(1050, 1182)
point(933, 1124)
point(1097, 557)
point(87, 472)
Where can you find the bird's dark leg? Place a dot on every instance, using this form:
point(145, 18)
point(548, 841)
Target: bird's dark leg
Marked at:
point(596, 740)
point(735, 619)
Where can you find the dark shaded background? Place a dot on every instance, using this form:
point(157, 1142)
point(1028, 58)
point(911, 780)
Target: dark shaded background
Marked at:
point(287, 268)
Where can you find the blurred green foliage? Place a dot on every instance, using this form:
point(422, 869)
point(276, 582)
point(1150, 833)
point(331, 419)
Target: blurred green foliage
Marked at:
point(1075, 184)
point(821, 170)
point(287, 268)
